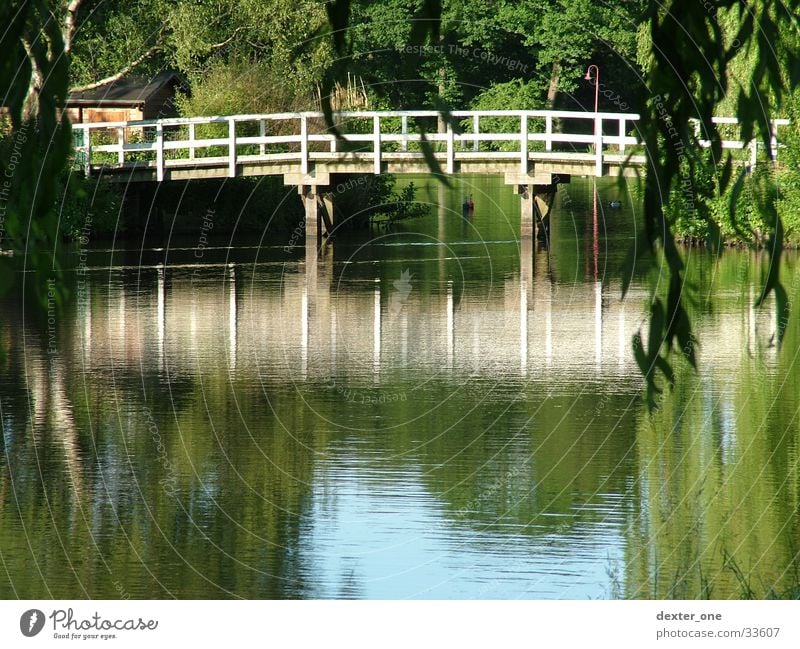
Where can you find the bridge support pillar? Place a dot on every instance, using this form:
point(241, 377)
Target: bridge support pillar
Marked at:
point(535, 204)
point(542, 204)
point(309, 186)
point(308, 194)
point(327, 213)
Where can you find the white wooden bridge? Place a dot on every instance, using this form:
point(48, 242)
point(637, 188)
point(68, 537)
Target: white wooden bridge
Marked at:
point(299, 144)
point(524, 146)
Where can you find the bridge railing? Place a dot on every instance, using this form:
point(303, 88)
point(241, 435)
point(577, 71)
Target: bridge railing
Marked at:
point(730, 126)
point(377, 136)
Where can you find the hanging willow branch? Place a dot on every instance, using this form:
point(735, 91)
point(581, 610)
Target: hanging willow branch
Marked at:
point(687, 83)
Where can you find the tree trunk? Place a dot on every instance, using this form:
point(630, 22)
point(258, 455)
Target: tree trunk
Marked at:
point(552, 91)
point(30, 107)
point(70, 24)
point(120, 73)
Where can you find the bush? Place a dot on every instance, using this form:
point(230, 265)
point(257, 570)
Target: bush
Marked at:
point(763, 190)
point(399, 206)
point(511, 95)
point(86, 204)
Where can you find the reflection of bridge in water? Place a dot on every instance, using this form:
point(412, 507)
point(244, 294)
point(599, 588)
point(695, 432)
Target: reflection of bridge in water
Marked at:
point(204, 341)
point(309, 323)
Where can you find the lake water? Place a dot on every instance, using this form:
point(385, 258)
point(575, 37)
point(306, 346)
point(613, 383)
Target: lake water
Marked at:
point(422, 415)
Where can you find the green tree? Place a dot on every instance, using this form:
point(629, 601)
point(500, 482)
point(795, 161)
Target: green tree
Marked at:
point(683, 83)
point(109, 39)
point(33, 87)
point(566, 34)
point(256, 48)
point(382, 47)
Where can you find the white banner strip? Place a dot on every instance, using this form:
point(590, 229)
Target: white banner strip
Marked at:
point(387, 625)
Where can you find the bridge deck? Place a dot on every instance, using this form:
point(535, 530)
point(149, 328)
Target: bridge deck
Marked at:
point(322, 165)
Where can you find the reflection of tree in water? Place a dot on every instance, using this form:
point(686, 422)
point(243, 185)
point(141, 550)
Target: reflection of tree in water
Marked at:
point(203, 487)
point(551, 474)
point(716, 513)
point(91, 466)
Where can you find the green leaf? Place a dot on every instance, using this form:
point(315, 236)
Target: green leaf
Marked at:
point(639, 354)
point(657, 332)
point(714, 238)
point(775, 247)
point(742, 36)
point(628, 271)
point(782, 308)
point(326, 92)
point(339, 19)
point(727, 172)
point(733, 201)
point(686, 340)
point(430, 159)
point(426, 20)
point(666, 369)
point(447, 116)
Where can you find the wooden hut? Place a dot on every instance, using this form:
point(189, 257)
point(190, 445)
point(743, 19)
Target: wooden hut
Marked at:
point(129, 98)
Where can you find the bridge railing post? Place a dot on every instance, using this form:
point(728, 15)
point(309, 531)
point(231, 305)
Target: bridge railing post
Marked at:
point(404, 129)
point(476, 129)
point(159, 152)
point(376, 134)
point(121, 145)
point(523, 143)
point(548, 133)
point(622, 135)
point(334, 141)
point(192, 138)
point(87, 143)
point(303, 144)
point(773, 142)
point(598, 146)
point(451, 153)
point(696, 125)
point(231, 147)
point(262, 132)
